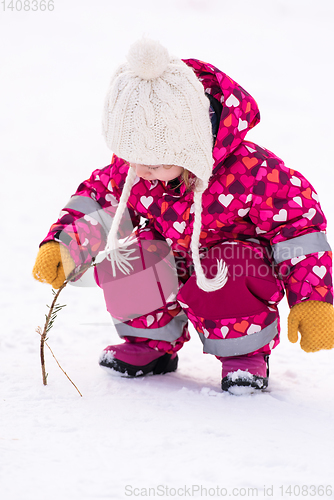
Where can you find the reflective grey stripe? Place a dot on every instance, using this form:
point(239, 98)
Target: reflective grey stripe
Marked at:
point(240, 345)
point(90, 207)
point(170, 332)
point(301, 245)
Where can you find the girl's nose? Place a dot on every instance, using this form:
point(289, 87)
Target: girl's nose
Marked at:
point(142, 172)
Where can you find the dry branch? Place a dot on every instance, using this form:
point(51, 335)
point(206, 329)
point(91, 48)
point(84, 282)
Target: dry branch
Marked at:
point(50, 317)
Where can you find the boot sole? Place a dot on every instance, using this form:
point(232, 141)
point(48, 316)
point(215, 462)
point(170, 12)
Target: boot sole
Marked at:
point(159, 366)
point(256, 382)
point(253, 382)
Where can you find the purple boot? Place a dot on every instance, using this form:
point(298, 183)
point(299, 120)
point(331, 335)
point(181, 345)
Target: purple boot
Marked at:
point(137, 359)
point(245, 371)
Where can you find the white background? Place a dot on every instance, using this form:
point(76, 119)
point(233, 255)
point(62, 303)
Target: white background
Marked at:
point(177, 429)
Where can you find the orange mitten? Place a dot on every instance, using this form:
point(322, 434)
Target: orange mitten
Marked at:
point(315, 322)
point(53, 264)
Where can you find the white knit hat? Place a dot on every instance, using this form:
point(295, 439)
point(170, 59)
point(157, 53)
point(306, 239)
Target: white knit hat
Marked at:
point(156, 112)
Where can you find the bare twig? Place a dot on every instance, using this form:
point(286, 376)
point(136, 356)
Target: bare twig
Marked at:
point(39, 331)
point(50, 317)
point(47, 326)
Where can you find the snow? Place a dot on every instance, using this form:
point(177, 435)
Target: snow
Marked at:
point(173, 431)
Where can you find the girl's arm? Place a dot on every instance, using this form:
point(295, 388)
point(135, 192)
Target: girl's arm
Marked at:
point(84, 222)
point(290, 217)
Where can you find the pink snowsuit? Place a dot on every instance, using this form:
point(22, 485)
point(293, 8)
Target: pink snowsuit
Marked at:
point(262, 218)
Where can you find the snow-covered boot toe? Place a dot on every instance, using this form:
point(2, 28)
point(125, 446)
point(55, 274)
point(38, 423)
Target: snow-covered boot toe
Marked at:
point(245, 373)
point(136, 360)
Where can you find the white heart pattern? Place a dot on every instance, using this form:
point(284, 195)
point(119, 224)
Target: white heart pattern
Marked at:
point(253, 329)
point(281, 216)
point(224, 330)
point(310, 214)
point(146, 201)
point(295, 181)
point(243, 211)
point(111, 198)
point(243, 124)
point(232, 101)
point(159, 316)
point(91, 220)
point(295, 260)
point(320, 271)
point(206, 333)
point(179, 226)
point(183, 305)
point(298, 200)
point(149, 320)
point(225, 199)
point(251, 150)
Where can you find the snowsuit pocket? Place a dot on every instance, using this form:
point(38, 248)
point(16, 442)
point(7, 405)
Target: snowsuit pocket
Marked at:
point(149, 286)
point(250, 288)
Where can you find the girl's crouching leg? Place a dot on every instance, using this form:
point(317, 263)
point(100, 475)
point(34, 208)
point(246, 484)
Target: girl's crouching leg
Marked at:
point(151, 344)
point(239, 323)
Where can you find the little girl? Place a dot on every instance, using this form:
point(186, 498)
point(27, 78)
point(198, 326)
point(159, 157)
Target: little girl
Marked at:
point(196, 224)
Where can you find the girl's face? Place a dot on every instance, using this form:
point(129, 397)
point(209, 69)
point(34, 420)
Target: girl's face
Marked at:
point(157, 172)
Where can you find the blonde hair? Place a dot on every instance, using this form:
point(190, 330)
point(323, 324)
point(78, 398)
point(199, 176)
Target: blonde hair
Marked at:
point(187, 177)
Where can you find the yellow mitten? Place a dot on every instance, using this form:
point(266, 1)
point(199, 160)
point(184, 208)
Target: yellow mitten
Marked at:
point(53, 264)
point(315, 322)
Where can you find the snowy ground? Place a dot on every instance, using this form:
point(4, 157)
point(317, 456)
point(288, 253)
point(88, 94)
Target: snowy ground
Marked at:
point(175, 434)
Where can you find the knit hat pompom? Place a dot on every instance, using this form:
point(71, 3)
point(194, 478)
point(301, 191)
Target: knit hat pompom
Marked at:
point(148, 59)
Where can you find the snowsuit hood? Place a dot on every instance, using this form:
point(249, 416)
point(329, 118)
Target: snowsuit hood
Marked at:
point(239, 113)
